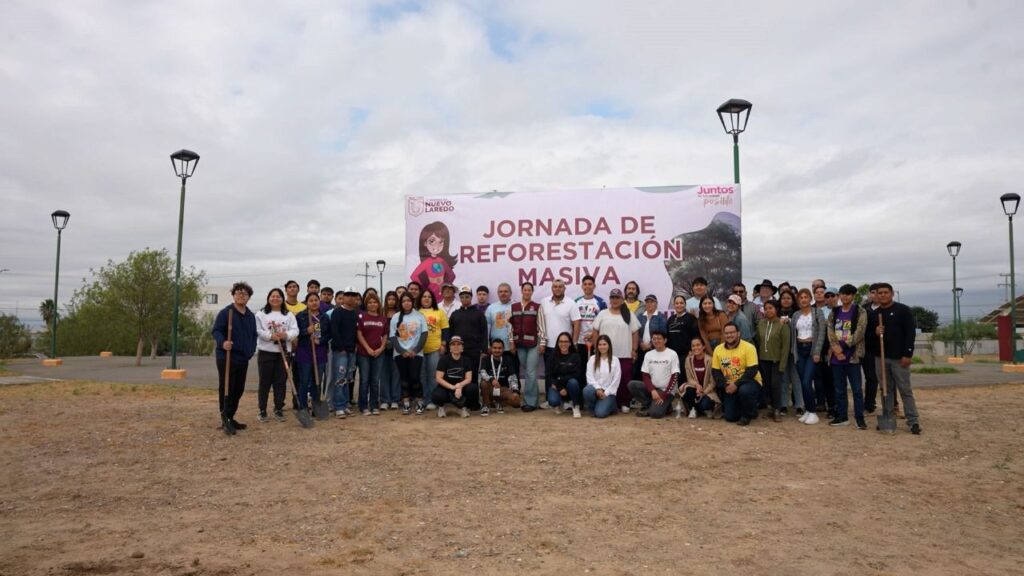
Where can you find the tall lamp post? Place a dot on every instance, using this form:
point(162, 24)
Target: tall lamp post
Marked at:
point(954, 249)
point(958, 292)
point(60, 221)
point(738, 112)
point(380, 270)
point(1011, 202)
point(184, 162)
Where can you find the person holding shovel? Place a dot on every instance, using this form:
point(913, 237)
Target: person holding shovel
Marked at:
point(311, 353)
point(892, 326)
point(234, 332)
point(275, 327)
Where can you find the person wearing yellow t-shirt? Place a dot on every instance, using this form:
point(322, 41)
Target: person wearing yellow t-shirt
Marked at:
point(291, 297)
point(632, 291)
point(437, 340)
point(735, 370)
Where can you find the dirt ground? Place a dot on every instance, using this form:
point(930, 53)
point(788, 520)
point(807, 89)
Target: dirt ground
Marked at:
point(100, 478)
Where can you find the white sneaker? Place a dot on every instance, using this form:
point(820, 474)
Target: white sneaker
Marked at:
point(545, 406)
point(558, 410)
point(812, 418)
point(431, 406)
point(576, 412)
point(693, 413)
point(625, 409)
point(394, 406)
point(803, 419)
point(465, 412)
point(442, 413)
point(340, 414)
point(383, 405)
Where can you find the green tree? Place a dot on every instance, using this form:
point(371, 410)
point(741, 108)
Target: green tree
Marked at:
point(862, 293)
point(972, 332)
point(15, 338)
point(46, 311)
point(926, 320)
point(129, 301)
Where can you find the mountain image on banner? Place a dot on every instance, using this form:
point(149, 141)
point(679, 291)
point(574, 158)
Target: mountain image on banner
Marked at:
point(714, 252)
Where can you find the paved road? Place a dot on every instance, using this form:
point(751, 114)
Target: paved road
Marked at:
point(203, 374)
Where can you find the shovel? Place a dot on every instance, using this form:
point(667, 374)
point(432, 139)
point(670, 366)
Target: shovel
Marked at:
point(886, 421)
point(302, 415)
point(320, 408)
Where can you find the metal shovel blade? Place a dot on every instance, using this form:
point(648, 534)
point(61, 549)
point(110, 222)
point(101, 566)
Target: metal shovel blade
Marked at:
point(321, 410)
point(304, 418)
point(886, 421)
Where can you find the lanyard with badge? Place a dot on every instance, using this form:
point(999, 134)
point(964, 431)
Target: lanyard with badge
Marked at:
point(496, 391)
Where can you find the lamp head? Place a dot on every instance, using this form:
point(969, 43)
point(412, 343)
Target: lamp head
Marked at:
point(60, 219)
point(953, 248)
point(184, 162)
point(738, 112)
point(1011, 201)
point(381, 265)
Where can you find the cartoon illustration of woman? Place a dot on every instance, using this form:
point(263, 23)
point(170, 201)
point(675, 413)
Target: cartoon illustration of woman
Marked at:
point(436, 263)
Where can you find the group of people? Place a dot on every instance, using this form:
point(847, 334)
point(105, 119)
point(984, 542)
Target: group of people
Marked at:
point(787, 351)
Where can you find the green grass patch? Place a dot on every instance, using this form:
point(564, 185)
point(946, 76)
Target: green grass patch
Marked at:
point(916, 360)
point(935, 370)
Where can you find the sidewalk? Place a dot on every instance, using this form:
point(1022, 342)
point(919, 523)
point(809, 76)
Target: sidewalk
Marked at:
point(202, 373)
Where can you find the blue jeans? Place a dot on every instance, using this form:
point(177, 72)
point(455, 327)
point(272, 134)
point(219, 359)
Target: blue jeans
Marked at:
point(307, 387)
point(840, 374)
point(573, 390)
point(429, 370)
point(805, 371)
point(600, 408)
point(343, 367)
point(742, 404)
point(528, 360)
point(369, 380)
point(390, 385)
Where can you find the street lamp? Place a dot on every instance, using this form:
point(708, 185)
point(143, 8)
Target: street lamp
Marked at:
point(1010, 202)
point(738, 112)
point(184, 162)
point(959, 292)
point(380, 274)
point(60, 221)
point(954, 248)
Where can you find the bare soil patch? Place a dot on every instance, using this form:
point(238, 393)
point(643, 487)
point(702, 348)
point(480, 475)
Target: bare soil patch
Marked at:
point(102, 478)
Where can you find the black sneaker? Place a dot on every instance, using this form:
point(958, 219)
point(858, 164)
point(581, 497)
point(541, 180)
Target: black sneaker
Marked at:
point(861, 425)
point(915, 429)
point(279, 415)
point(869, 409)
point(642, 413)
point(839, 422)
point(238, 425)
point(744, 421)
point(262, 417)
point(799, 411)
point(228, 427)
point(528, 408)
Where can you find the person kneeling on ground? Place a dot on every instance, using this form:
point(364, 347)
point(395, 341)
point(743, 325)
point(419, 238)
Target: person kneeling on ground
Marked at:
point(603, 375)
point(735, 370)
point(660, 371)
point(499, 384)
point(454, 380)
point(698, 395)
point(561, 373)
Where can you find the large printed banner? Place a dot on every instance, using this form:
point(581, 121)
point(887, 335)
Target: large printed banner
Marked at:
point(661, 237)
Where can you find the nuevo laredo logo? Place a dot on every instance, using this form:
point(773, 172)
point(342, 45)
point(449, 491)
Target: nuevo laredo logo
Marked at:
point(414, 205)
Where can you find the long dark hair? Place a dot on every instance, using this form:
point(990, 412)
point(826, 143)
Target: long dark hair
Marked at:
point(597, 353)
point(267, 309)
point(401, 310)
point(384, 304)
point(433, 301)
point(441, 231)
point(568, 337)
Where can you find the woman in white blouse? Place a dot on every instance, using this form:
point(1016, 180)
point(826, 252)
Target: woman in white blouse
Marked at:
point(603, 376)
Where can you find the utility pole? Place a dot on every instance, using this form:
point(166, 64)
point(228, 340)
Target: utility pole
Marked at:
point(1005, 284)
point(366, 276)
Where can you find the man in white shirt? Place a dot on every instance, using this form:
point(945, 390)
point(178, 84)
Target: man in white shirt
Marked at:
point(560, 315)
point(589, 305)
point(660, 377)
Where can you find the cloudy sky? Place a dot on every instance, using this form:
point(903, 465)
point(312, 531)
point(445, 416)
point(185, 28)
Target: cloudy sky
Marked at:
point(880, 130)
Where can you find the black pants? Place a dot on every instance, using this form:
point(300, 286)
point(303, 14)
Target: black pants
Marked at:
point(639, 363)
point(470, 397)
point(581, 377)
point(771, 382)
point(867, 364)
point(236, 386)
point(825, 391)
point(409, 376)
point(272, 375)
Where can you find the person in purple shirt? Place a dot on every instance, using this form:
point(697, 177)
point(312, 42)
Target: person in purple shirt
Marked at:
point(311, 352)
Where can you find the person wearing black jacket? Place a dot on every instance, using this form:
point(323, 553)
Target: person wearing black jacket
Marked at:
point(343, 320)
point(682, 328)
point(561, 373)
point(469, 324)
point(896, 322)
point(241, 346)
